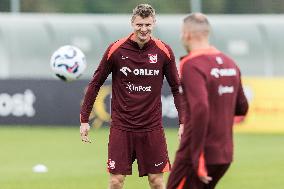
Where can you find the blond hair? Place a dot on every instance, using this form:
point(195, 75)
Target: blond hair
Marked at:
point(197, 23)
point(144, 11)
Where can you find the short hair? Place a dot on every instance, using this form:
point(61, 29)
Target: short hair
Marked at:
point(197, 22)
point(144, 11)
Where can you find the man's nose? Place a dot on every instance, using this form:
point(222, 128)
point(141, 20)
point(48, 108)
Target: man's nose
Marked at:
point(143, 28)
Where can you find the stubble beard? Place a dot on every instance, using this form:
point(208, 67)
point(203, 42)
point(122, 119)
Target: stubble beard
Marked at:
point(145, 38)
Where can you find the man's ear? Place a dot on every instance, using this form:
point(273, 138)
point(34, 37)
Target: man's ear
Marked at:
point(188, 36)
point(154, 20)
point(132, 21)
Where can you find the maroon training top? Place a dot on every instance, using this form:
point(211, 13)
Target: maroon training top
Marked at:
point(214, 95)
point(137, 79)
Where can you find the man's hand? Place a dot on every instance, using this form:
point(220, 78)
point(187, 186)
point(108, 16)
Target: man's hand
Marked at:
point(202, 171)
point(180, 131)
point(84, 131)
point(239, 119)
point(205, 179)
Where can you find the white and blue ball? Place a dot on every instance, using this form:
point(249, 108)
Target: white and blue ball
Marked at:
point(68, 63)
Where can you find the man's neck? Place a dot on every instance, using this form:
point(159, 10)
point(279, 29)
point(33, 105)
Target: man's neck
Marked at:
point(196, 46)
point(141, 44)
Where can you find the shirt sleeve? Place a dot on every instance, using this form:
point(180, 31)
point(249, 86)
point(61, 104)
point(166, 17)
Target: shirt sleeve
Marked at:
point(99, 77)
point(196, 94)
point(241, 103)
point(173, 79)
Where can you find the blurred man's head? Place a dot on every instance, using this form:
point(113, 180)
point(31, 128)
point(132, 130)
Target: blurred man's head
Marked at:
point(143, 21)
point(195, 31)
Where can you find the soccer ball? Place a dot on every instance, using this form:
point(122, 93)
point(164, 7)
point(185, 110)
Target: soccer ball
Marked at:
point(68, 63)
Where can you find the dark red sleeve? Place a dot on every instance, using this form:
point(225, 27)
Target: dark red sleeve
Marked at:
point(242, 103)
point(173, 79)
point(99, 77)
point(196, 94)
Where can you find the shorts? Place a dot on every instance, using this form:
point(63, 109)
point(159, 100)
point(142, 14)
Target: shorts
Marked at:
point(183, 176)
point(149, 148)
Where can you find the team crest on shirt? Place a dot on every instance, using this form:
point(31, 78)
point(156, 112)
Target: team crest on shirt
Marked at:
point(153, 58)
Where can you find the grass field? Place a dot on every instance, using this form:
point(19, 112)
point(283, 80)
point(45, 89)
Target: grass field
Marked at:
point(259, 160)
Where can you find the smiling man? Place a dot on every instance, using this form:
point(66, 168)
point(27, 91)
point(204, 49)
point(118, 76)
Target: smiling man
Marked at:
point(138, 64)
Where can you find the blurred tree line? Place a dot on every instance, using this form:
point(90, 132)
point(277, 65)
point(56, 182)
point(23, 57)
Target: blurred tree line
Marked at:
point(162, 6)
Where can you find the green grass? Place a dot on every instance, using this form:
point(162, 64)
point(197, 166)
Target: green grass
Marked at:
point(259, 160)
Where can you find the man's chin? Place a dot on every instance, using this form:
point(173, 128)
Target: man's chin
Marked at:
point(143, 39)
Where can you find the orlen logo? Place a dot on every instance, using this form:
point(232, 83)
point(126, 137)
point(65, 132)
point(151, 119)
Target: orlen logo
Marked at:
point(138, 88)
point(17, 104)
point(125, 70)
point(223, 72)
point(150, 72)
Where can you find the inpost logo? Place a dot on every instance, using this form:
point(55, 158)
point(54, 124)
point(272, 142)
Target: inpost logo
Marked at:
point(18, 104)
point(138, 88)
